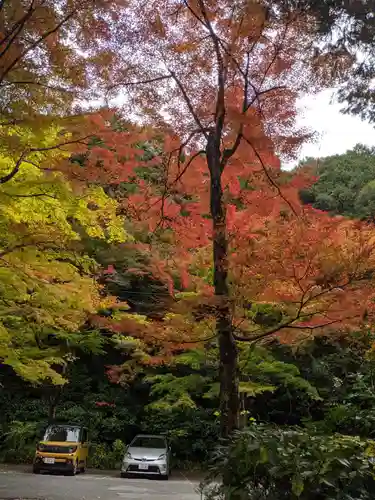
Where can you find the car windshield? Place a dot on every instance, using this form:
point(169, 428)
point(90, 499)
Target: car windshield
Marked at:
point(149, 442)
point(62, 433)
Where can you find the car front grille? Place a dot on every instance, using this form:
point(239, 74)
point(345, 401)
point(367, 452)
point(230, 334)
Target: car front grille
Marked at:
point(151, 468)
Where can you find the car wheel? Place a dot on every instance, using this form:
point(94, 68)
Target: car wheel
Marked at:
point(165, 478)
point(36, 470)
point(123, 475)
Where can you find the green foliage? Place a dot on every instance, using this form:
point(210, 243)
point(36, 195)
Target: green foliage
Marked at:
point(173, 392)
point(103, 456)
point(264, 314)
point(192, 432)
point(19, 442)
point(133, 281)
point(346, 183)
point(47, 289)
point(269, 462)
point(324, 386)
point(260, 365)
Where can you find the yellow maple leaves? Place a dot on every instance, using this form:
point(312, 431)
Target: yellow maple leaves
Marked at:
point(47, 281)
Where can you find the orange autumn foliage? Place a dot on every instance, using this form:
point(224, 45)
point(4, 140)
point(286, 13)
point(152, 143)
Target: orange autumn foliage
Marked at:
point(315, 268)
point(219, 80)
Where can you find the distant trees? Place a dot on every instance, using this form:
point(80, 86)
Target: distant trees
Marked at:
point(345, 184)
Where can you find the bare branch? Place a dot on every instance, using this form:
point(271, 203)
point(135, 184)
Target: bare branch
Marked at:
point(12, 122)
point(189, 103)
point(191, 159)
point(183, 145)
point(36, 43)
point(32, 195)
point(167, 187)
point(271, 181)
point(279, 47)
point(283, 326)
point(221, 73)
point(186, 3)
point(23, 156)
point(14, 171)
point(229, 152)
point(45, 245)
point(140, 82)
point(290, 323)
point(61, 144)
point(16, 29)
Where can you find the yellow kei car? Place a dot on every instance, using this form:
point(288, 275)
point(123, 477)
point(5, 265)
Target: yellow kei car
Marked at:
point(64, 448)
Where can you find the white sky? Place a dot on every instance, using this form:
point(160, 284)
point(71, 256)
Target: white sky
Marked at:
point(337, 132)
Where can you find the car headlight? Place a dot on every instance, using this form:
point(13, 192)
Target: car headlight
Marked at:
point(128, 455)
point(73, 449)
point(162, 456)
point(40, 447)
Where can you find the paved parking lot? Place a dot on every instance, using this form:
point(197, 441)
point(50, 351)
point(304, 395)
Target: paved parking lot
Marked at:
point(16, 484)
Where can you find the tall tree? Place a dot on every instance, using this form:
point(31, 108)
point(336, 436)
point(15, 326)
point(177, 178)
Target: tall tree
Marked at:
point(224, 77)
point(291, 270)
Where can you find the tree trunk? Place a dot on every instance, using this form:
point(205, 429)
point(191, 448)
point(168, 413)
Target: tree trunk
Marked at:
point(228, 375)
point(53, 402)
point(54, 399)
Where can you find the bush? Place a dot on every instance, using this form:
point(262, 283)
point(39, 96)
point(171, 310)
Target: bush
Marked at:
point(19, 442)
point(270, 462)
point(102, 456)
point(192, 433)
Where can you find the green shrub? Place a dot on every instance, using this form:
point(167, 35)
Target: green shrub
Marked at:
point(102, 456)
point(270, 462)
point(19, 442)
point(192, 433)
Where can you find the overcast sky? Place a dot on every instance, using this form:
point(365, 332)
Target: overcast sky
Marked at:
point(337, 132)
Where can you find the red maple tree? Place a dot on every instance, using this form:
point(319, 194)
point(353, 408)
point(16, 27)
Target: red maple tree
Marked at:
point(220, 79)
point(307, 270)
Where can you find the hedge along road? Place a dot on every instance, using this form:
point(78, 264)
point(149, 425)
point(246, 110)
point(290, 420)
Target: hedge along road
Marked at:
point(22, 485)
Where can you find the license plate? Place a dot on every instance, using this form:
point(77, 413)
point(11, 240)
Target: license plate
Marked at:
point(143, 466)
point(49, 460)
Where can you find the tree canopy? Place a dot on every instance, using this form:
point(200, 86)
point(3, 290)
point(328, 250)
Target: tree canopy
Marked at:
point(48, 284)
point(344, 183)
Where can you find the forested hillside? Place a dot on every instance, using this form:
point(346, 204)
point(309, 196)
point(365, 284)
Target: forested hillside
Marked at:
point(345, 183)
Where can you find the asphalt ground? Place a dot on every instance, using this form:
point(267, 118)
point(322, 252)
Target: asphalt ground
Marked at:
point(18, 483)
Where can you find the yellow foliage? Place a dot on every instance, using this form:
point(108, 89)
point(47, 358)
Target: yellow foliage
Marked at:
point(47, 283)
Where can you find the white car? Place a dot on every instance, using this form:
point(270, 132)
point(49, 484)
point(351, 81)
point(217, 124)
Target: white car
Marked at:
point(148, 455)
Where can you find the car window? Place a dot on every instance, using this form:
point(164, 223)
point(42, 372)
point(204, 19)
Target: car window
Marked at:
point(62, 433)
point(148, 442)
